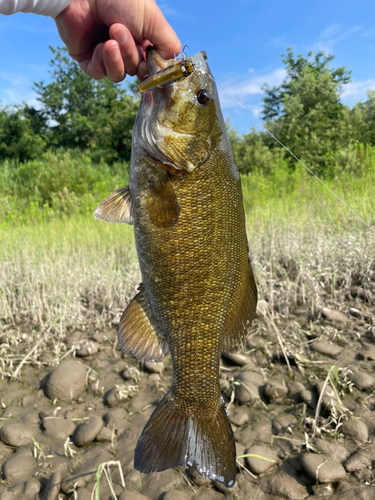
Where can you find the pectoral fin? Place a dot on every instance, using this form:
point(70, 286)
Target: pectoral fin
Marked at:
point(162, 204)
point(238, 327)
point(138, 333)
point(116, 208)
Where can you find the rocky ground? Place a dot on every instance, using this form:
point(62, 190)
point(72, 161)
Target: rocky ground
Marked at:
point(300, 395)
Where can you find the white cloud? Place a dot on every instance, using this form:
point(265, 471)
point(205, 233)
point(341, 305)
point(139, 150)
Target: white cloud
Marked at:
point(335, 33)
point(357, 91)
point(16, 88)
point(234, 94)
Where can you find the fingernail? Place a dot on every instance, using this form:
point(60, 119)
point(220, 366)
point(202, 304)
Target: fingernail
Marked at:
point(121, 35)
point(113, 54)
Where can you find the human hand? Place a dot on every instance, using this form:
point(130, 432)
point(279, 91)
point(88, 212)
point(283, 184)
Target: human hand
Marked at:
point(108, 37)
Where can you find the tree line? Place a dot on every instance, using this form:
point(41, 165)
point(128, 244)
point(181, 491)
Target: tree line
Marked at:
point(96, 117)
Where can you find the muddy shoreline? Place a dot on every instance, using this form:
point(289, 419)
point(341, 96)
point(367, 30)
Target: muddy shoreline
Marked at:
point(312, 422)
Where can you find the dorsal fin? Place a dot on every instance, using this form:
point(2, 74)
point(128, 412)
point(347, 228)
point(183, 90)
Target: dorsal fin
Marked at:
point(116, 208)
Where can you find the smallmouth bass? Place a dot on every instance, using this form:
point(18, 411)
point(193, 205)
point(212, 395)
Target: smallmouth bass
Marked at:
point(198, 295)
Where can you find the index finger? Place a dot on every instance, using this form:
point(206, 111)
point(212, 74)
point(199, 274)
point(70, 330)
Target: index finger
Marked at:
point(161, 35)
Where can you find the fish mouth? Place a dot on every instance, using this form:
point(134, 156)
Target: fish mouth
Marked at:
point(154, 62)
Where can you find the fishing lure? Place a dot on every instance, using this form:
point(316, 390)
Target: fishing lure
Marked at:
point(178, 71)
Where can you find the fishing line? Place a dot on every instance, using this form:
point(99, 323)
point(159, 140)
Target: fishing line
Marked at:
point(310, 171)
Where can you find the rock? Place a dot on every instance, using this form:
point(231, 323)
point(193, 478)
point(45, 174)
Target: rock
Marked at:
point(131, 373)
point(335, 316)
point(169, 480)
point(153, 367)
point(47, 358)
point(360, 460)
point(294, 390)
point(87, 348)
point(197, 478)
point(346, 491)
point(357, 291)
point(362, 381)
point(355, 429)
point(247, 386)
point(275, 392)
point(76, 338)
point(238, 359)
point(322, 490)
point(285, 486)
point(331, 450)
point(116, 418)
point(369, 353)
point(67, 381)
point(262, 308)
point(240, 451)
point(116, 395)
point(135, 495)
point(19, 467)
point(177, 495)
point(58, 429)
point(284, 423)
point(86, 433)
point(52, 488)
point(105, 435)
point(207, 494)
point(260, 465)
point(18, 434)
point(31, 488)
point(310, 398)
point(355, 312)
point(154, 378)
point(330, 399)
point(86, 493)
point(321, 470)
point(133, 480)
point(237, 416)
point(224, 385)
point(330, 350)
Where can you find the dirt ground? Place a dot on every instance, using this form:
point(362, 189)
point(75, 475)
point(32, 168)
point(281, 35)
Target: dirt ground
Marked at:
point(300, 395)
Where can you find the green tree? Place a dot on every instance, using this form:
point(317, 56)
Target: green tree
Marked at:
point(21, 136)
point(305, 112)
point(85, 113)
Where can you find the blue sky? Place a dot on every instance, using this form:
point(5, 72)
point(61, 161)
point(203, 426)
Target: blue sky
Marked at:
point(243, 40)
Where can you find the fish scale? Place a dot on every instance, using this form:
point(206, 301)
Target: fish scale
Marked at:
point(198, 294)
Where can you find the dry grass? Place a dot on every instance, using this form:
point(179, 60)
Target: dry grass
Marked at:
point(79, 274)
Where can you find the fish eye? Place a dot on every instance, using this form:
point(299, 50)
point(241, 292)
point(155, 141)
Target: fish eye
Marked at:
point(203, 97)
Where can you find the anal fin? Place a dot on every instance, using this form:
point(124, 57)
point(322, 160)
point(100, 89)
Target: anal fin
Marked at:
point(116, 208)
point(237, 329)
point(137, 332)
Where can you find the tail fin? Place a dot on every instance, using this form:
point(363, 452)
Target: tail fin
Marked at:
point(175, 436)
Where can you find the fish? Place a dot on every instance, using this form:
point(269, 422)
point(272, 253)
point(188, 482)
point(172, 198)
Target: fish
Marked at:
point(198, 294)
